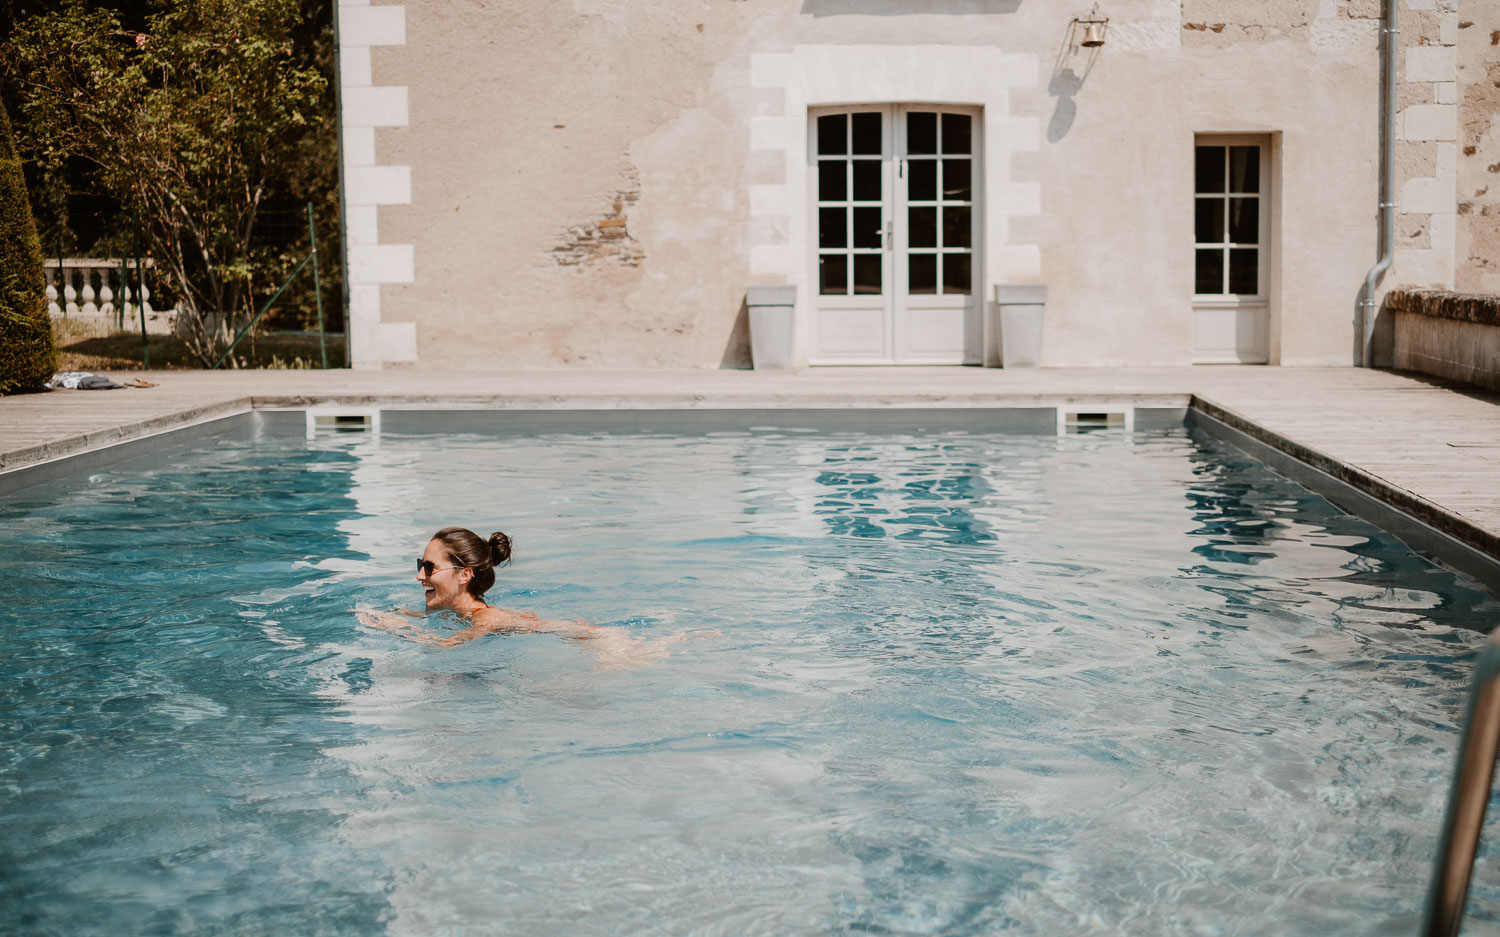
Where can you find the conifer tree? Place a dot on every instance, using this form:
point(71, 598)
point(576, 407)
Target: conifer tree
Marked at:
point(27, 354)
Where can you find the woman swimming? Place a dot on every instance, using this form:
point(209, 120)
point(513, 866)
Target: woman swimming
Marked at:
point(456, 570)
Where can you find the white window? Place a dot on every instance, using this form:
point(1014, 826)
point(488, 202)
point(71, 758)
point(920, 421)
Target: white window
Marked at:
point(1230, 250)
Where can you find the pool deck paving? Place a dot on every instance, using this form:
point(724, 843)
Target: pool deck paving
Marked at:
point(1430, 448)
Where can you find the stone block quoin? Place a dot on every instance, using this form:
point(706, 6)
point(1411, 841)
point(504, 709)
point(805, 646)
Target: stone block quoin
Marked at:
point(365, 106)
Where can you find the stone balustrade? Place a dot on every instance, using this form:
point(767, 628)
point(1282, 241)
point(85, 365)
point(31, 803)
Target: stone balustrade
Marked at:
point(88, 293)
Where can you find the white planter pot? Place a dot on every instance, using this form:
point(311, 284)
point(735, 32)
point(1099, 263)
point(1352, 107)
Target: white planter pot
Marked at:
point(773, 322)
point(1021, 311)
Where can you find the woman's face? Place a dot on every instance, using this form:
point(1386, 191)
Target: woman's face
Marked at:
point(445, 586)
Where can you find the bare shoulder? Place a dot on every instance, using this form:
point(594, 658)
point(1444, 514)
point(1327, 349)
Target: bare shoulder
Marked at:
point(510, 619)
point(505, 619)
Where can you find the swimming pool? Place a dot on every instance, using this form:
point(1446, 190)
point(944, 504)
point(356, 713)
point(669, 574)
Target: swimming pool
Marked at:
point(963, 683)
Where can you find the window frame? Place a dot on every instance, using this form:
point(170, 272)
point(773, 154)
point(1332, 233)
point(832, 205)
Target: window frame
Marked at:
point(1262, 247)
point(837, 328)
point(940, 204)
point(849, 204)
point(895, 242)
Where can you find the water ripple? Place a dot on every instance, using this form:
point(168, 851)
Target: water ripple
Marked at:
point(956, 683)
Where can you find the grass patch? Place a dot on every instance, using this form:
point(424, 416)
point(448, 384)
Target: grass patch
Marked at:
point(122, 352)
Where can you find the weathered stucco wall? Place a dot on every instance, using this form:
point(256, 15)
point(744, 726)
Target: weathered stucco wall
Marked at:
point(576, 186)
point(1427, 145)
point(582, 172)
point(1117, 174)
point(1479, 149)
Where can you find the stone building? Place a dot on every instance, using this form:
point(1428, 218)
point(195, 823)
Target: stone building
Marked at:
point(596, 183)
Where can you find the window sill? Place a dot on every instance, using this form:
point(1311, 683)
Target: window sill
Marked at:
point(1230, 301)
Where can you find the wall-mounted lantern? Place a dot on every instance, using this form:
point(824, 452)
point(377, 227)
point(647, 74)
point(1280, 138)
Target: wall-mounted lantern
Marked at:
point(1093, 28)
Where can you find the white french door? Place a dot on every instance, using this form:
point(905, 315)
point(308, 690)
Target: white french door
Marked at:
point(896, 234)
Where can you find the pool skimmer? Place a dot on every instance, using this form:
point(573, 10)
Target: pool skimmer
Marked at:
point(1086, 418)
point(328, 420)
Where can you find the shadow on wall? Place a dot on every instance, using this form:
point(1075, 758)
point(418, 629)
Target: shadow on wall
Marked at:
point(737, 348)
point(1066, 81)
point(1063, 86)
point(906, 7)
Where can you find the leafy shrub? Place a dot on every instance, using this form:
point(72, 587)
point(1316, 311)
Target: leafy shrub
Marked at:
point(212, 122)
point(27, 355)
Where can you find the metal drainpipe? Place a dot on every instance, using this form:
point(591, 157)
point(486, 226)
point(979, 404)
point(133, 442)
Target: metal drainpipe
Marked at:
point(1387, 184)
point(338, 117)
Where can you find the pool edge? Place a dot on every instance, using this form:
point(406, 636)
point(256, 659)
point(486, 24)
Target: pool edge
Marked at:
point(1424, 526)
point(95, 450)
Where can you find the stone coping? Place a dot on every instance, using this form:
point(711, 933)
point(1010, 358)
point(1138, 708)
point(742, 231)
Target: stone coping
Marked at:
point(1481, 308)
point(1428, 512)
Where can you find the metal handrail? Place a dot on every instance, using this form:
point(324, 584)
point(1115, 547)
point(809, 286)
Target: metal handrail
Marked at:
point(1467, 800)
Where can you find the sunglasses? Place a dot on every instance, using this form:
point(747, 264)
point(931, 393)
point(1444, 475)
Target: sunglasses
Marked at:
point(428, 567)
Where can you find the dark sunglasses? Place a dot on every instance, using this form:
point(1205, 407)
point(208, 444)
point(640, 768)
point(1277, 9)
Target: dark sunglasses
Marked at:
point(428, 567)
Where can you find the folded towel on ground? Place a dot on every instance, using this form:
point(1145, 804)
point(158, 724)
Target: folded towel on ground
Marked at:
point(82, 380)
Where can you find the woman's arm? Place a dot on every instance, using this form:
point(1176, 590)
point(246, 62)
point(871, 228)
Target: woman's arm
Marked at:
point(386, 621)
point(485, 621)
point(493, 620)
point(410, 630)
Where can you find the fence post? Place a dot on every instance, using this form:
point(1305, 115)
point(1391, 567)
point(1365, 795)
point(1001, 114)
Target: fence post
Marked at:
point(124, 289)
point(263, 310)
point(140, 302)
point(312, 233)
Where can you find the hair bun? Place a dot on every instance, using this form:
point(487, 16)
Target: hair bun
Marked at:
point(499, 549)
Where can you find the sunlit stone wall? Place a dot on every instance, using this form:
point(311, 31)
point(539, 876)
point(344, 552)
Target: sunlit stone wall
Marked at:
point(596, 183)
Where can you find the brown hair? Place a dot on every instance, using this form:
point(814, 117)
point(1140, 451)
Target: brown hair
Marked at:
point(482, 556)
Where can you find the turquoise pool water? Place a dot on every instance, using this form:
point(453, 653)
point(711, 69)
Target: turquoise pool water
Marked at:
point(963, 683)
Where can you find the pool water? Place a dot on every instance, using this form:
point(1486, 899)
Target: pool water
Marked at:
point(895, 683)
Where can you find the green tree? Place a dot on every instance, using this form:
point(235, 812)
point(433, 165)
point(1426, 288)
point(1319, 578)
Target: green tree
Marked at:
point(191, 121)
point(27, 356)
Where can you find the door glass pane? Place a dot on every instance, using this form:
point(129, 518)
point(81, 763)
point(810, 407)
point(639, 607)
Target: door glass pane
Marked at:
point(832, 137)
point(867, 273)
point(956, 226)
point(867, 180)
point(955, 133)
point(921, 180)
point(867, 228)
point(921, 132)
point(831, 231)
point(921, 274)
point(956, 184)
point(1244, 220)
point(1208, 220)
point(835, 278)
point(1244, 270)
point(1208, 172)
point(956, 277)
point(1244, 169)
point(831, 183)
point(939, 217)
point(867, 134)
point(922, 220)
point(1209, 275)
